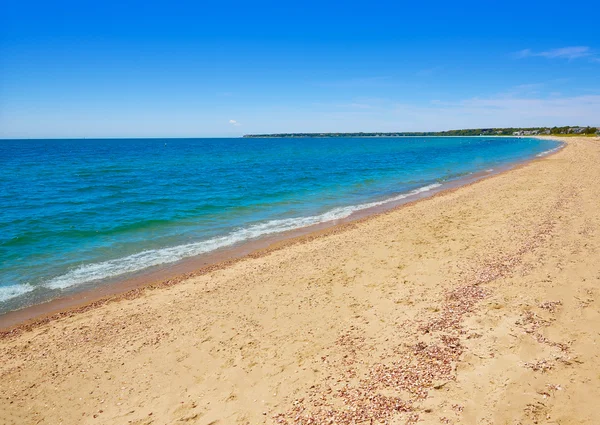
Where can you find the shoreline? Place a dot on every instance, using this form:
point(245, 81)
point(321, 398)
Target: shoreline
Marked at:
point(24, 319)
point(480, 304)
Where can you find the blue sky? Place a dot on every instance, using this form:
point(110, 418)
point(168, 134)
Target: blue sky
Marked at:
point(186, 69)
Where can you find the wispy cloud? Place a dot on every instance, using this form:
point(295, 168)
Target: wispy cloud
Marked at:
point(502, 110)
point(234, 123)
point(522, 89)
point(570, 53)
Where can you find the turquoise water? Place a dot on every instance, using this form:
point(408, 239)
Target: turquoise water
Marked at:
point(74, 213)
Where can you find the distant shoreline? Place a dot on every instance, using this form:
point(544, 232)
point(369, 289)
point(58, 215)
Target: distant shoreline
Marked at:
point(475, 132)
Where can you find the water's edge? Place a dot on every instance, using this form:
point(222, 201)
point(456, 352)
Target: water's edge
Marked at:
point(83, 296)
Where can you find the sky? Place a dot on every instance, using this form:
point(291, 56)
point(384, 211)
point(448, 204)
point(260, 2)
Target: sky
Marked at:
point(224, 69)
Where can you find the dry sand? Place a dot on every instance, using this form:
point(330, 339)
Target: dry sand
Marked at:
point(477, 306)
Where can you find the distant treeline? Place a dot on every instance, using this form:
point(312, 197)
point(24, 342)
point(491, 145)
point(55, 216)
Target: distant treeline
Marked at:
point(512, 131)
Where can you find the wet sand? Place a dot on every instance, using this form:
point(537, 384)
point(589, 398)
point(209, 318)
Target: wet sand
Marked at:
point(479, 305)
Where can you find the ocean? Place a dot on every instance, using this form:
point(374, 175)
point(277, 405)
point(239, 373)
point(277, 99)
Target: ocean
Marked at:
point(79, 213)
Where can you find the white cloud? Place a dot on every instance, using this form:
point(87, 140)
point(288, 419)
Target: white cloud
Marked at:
point(572, 52)
point(234, 123)
point(567, 52)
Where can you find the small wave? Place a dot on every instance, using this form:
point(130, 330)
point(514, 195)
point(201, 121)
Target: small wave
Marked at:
point(13, 291)
point(107, 269)
point(549, 151)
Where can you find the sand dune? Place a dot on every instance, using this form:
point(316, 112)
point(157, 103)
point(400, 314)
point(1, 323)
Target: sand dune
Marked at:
point(478, 306)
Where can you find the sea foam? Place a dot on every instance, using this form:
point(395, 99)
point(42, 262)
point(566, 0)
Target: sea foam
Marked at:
point(13, 291)
point(549, 151)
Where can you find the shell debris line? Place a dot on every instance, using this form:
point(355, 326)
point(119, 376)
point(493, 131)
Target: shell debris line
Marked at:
point(532, 323)
point(551, 306)
point(384, 390)
point(392, 388)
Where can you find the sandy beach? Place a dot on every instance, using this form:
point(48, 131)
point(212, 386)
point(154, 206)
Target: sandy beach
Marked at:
point(480, 305)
